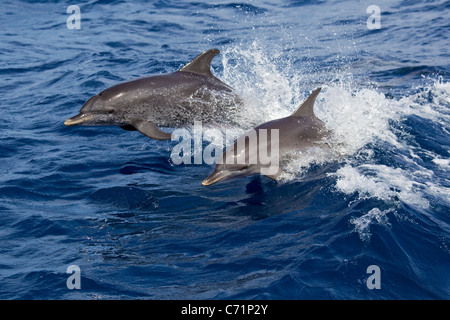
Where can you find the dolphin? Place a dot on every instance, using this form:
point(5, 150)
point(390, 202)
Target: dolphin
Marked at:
point(300, 131)
point(169, 100)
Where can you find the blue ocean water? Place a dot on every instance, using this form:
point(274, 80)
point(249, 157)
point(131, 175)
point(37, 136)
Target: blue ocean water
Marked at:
point(138, 226)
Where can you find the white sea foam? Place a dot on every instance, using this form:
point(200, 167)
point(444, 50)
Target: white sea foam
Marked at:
point(265, 87)
point(363, 223)
point(444, 163)
point(381, 182)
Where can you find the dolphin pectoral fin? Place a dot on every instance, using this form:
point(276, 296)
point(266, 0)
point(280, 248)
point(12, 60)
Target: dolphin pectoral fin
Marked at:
point(128, 127)
point(202, 63)
point(275, 176)
point(150, 130)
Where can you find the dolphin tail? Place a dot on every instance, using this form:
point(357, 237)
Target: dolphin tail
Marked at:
point(202, 63)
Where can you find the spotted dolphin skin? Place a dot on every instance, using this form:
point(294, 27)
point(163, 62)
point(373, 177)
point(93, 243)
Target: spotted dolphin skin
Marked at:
point(169, 100)
point(299, 132)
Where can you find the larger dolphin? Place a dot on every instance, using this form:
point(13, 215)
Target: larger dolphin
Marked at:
point(299, 132)
point(170, 100)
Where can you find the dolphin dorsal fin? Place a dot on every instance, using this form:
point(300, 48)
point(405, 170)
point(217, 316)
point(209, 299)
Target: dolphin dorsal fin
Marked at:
point(202, 63)
point(306, 109)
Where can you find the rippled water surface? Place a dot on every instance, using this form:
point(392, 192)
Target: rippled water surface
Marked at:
point(138, 226)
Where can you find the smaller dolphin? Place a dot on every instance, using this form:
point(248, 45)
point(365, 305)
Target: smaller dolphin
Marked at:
point(299, 132)
point(169, 100)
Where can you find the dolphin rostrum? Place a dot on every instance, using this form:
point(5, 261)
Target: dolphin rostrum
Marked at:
point(301, 131)
point(170, 100)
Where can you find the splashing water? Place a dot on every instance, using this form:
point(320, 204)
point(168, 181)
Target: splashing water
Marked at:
point(364, 122)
